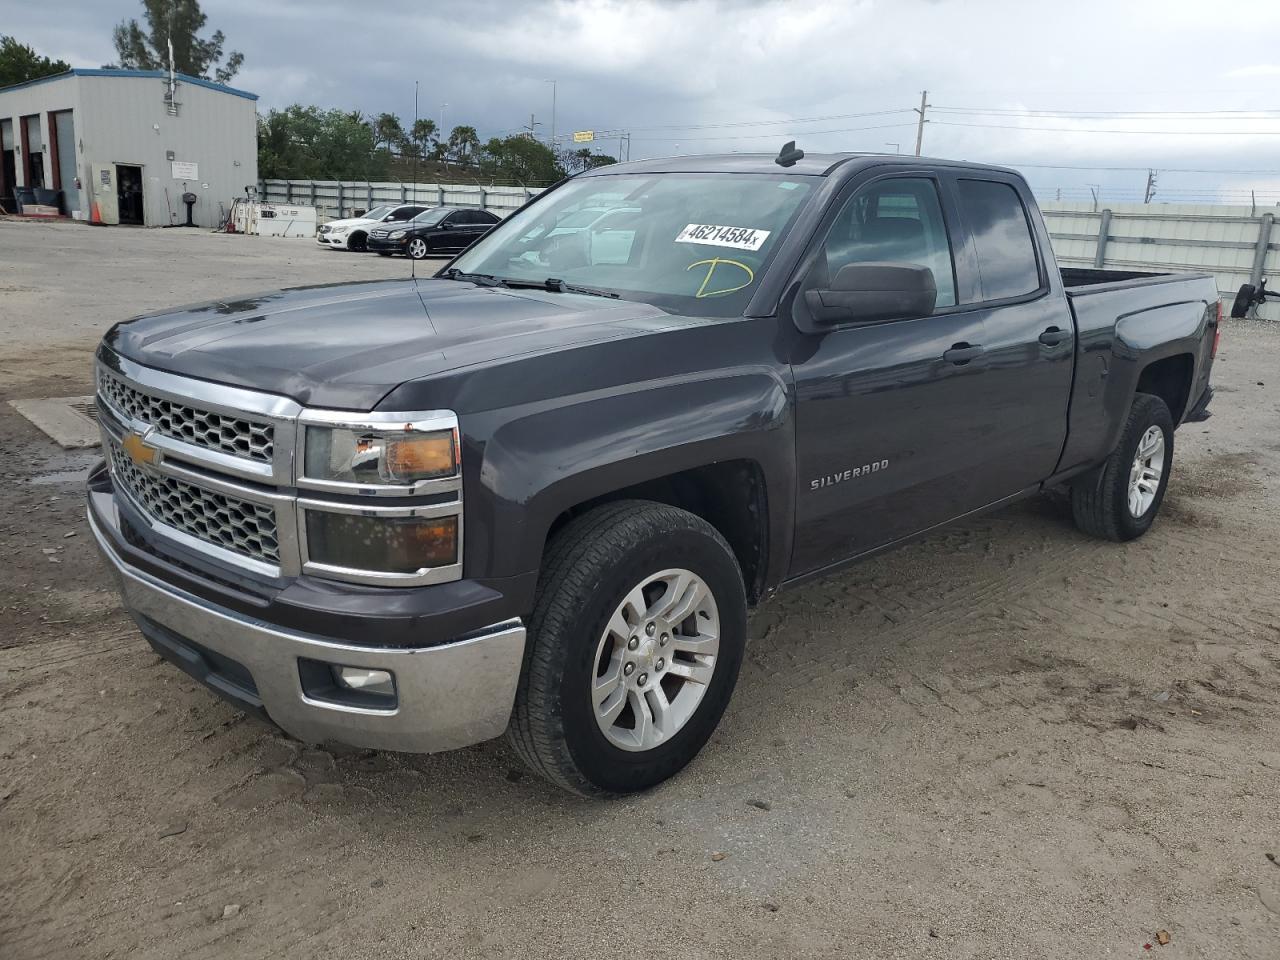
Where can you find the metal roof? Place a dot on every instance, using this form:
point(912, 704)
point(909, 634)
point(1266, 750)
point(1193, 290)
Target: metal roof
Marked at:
point(154, 74)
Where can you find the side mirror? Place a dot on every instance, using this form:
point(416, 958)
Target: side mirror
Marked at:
point(874, 293)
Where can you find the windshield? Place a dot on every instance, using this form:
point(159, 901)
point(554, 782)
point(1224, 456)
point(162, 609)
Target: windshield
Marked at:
point(430, 217)
point(377, 213)
point(690, 243)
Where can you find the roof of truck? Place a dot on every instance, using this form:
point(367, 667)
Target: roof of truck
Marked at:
point(812, 164)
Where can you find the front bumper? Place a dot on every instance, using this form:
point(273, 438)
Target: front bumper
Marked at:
point(383, 245)
point(447, 696)
point(329, 240)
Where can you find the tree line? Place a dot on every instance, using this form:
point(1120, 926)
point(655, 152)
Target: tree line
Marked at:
point(308, 142)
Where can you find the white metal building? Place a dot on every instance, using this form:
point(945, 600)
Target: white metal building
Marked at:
point(128, 142)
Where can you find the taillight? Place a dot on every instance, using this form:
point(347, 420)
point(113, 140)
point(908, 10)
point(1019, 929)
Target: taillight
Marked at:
point(1217, 333)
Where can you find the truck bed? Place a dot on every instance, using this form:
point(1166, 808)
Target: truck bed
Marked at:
point(1080, 281)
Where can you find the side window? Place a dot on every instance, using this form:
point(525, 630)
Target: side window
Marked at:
point(898, 220)
point(401, 213)
point(1002, 238)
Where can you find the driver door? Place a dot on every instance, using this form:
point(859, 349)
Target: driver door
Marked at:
point(890, 417)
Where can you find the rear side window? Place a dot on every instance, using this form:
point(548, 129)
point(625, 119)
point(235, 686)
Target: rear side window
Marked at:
point(1002, 238)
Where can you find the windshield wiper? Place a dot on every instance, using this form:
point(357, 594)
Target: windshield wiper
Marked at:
point(480, 279)
point(554, 285)
point(551, 284)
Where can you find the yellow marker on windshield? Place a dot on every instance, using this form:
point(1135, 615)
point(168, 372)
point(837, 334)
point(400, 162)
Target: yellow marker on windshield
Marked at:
point(711, 265)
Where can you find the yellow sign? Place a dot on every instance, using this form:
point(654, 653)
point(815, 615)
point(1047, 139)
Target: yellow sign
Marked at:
point(138, 450)
point(583, 136)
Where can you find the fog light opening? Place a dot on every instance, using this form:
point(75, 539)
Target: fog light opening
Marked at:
point(379, 682)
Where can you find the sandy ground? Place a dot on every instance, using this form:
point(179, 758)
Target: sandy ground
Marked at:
point(1006, 740)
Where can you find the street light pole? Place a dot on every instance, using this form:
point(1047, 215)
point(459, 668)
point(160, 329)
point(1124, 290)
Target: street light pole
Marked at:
point(553, 112)
point(442, 106)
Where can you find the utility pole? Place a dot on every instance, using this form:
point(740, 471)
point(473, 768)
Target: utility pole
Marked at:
point(553, 112)
point(442, 107)
point(1151, 187)
point(924, 105)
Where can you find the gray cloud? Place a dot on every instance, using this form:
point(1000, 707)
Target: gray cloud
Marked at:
point(649, 66)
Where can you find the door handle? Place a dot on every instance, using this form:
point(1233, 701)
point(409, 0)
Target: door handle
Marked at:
point(962, 353)
point(1053, 336)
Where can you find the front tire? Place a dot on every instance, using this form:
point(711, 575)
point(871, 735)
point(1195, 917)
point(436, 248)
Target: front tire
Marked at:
point(1120, 501)
point(417, 248)
point(359, 242)
point(634, 648)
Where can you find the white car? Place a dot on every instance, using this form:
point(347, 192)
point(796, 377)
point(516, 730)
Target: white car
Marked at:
point(352, 232)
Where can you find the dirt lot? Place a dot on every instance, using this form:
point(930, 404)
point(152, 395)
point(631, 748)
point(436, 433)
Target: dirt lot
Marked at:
point(1006, 740)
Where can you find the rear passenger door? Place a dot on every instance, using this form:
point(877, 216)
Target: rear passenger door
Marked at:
point(1028, 338)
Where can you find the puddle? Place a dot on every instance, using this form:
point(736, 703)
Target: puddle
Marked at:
point(67, 471)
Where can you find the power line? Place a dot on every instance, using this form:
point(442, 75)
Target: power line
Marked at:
point(1205, 114)
point(771, 136)
point(1175, 133)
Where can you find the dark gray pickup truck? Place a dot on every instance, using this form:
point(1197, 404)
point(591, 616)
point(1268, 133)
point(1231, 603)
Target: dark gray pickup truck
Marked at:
point(538, 492)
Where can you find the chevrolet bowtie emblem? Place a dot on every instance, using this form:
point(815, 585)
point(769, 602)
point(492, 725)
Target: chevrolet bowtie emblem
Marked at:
point(139, 451)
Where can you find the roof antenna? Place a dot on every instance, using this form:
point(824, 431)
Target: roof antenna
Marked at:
point(413, 264)
point(788, 156)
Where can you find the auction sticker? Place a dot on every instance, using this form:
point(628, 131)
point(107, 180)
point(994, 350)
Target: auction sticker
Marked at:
point(739, 238)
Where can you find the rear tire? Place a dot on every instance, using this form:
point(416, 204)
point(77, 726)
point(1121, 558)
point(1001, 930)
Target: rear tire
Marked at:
point(561, 727)
point(1120, 500)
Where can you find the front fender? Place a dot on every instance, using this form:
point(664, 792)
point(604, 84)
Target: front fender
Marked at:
point(563, 452)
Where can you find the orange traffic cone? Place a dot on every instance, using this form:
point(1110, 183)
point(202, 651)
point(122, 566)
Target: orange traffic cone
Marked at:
point(95, 215)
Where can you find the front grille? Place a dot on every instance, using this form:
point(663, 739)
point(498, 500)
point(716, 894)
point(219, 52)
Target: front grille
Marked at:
point(237, 525)
point(236, 436)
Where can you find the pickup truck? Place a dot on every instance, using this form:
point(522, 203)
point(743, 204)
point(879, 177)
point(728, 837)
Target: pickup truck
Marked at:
point(538, 492)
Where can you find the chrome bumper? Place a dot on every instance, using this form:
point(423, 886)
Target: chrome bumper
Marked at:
point(448, 696)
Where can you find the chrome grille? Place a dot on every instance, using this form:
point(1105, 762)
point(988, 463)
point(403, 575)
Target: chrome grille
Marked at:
point(235, 436)
point(224, 521)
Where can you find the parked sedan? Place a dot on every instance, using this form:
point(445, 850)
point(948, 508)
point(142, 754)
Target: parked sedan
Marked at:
point(352, 232)
point(440, 230)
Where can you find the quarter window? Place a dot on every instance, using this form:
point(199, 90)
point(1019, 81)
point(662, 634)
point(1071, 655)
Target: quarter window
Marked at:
point(899, 221)
point(1002, 238)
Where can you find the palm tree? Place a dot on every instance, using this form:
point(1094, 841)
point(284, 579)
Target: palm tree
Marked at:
point(464, 144)
point(388, 129)
point(423, 133)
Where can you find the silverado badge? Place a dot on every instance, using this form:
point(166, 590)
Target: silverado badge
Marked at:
point(139, 451)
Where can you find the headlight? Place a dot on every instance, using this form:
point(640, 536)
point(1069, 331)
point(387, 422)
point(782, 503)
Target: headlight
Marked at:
point(373, 458)
point(397, 516)
point(339, 231)
point(387, 545)
point(397, 234)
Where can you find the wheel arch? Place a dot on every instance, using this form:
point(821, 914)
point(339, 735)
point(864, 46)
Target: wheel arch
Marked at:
point(720, 447)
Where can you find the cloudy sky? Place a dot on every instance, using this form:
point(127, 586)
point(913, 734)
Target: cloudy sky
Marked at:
point(1070, 93)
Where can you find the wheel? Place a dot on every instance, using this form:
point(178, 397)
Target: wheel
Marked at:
point(417, 248)
point(384, 253)
point(1120, 501)
point(359, 242)
point(633, 651)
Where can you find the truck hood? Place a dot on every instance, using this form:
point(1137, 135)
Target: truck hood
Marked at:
point(345, 346)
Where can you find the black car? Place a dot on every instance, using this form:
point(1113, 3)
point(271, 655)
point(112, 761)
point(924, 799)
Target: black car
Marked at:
point(439, 230)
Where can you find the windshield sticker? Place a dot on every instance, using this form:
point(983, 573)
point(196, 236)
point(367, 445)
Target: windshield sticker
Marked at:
point(712, 266)
point(740, 238)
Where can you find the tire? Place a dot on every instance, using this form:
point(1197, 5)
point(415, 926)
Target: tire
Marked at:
point(1100, 501)
point(359, 242)
point(417, 248)
point(591, 567)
